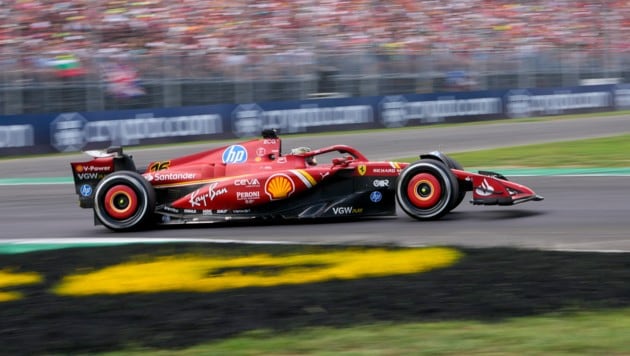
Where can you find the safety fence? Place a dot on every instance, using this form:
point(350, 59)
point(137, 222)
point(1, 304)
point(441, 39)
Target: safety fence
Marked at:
point(30, 84)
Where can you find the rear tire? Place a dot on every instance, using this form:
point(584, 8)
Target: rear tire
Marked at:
point(427, 190)
point(124, 201)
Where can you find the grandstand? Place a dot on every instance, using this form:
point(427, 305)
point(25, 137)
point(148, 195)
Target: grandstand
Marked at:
point(62, 55)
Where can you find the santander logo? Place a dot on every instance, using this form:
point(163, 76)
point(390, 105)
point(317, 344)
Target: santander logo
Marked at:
point(485, 189)
point(171, 176)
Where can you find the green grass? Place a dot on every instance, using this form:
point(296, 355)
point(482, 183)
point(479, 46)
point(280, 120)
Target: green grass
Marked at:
point(584, 333)
point(607, 152)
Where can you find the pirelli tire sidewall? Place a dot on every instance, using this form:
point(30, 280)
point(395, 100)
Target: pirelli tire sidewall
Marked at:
point(427, 190)
point(123, 201)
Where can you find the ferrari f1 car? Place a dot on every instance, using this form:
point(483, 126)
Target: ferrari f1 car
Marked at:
point(255, 180)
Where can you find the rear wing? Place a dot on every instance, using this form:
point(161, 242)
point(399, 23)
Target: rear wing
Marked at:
point(87, 174)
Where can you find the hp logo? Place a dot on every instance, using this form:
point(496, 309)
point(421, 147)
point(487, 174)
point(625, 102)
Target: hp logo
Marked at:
point(376, 196)
point(234, 154)
point(86, 190)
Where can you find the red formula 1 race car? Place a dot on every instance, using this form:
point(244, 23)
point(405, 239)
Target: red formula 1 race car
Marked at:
point(255, 180)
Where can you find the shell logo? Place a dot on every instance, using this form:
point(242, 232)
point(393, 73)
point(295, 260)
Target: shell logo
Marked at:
point(79, 168)
point(279, 186)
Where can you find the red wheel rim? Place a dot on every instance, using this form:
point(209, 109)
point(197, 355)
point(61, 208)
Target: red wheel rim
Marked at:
point(424, 191)
point(121, 202)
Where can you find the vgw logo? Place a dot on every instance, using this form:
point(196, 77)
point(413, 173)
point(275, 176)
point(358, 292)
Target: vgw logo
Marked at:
point(234, 154)
point(92, 175)
point(346, 210)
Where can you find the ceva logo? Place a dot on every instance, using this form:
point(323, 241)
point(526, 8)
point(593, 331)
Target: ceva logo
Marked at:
point(234, 154)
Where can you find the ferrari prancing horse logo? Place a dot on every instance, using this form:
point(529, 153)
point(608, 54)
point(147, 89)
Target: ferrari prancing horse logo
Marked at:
point(362, 169)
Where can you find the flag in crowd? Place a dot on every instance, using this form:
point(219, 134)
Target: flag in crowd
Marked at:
point(64, 65)
point(122, 81)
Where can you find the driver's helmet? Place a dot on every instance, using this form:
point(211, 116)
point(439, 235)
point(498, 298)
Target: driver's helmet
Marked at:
point(301, 151)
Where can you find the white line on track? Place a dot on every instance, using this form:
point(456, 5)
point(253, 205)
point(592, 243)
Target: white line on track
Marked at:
point(120, 241)
point(90, 241)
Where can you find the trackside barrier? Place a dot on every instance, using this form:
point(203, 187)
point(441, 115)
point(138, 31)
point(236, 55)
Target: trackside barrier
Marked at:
point(76, 131)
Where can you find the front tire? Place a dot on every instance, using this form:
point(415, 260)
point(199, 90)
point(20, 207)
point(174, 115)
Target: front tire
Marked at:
point(463, 186)
point(427, 190)
point(124, 201)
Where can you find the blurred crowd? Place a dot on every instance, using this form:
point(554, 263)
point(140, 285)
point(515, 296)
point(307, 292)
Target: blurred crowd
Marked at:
point(60, 33)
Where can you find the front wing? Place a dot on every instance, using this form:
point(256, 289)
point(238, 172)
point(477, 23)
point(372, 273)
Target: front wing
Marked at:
point(491, 188)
